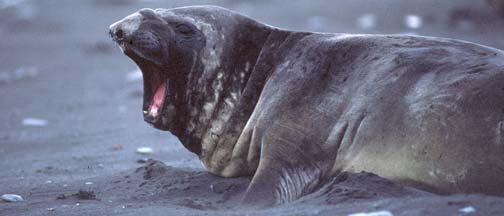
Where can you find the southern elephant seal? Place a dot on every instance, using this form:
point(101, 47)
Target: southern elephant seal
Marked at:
point(295, 108)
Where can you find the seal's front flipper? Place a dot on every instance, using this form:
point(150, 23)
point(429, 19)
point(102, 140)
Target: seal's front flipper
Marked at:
point(261, 192)
point(284, 174)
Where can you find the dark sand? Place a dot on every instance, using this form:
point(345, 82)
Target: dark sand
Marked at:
point(94, 120)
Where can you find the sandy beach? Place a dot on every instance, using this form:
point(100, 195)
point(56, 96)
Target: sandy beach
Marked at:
point(71, 119)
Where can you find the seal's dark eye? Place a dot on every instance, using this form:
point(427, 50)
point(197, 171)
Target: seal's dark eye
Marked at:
point(184, 29)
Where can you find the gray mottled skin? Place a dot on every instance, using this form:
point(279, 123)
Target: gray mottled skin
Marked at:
point(295, 108)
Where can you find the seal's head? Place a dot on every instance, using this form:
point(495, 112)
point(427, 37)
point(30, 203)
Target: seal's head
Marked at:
point(164, 50)
point(196, 62)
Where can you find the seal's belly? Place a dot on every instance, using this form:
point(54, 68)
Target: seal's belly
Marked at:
point(443, 134)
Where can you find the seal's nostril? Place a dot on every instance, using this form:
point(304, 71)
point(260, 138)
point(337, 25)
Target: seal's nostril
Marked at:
point(119, 33)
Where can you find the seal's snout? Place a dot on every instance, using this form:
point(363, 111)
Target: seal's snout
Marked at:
point(116, 34)
point(126, 27)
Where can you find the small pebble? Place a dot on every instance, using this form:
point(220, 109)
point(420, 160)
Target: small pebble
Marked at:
point(134, 76)
point(18, 74)
point(366, 21)
point(144, 150)
point(35, 122)
point(376, 213)
point(413, 21)
point(11, 198)
point(467, 210)
point(88, 183)
point(50, 209)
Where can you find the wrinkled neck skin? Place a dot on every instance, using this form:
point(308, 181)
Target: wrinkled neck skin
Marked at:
point(221, 93)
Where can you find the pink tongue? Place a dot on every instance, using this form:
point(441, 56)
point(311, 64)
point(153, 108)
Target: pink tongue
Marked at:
point(157, 101)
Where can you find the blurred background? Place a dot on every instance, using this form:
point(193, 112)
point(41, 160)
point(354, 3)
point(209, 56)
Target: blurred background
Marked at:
point(71, 101)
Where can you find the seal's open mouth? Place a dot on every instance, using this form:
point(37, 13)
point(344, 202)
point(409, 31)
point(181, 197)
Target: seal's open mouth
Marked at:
point(157, 90)
point(157, 100)
point(156, 94)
